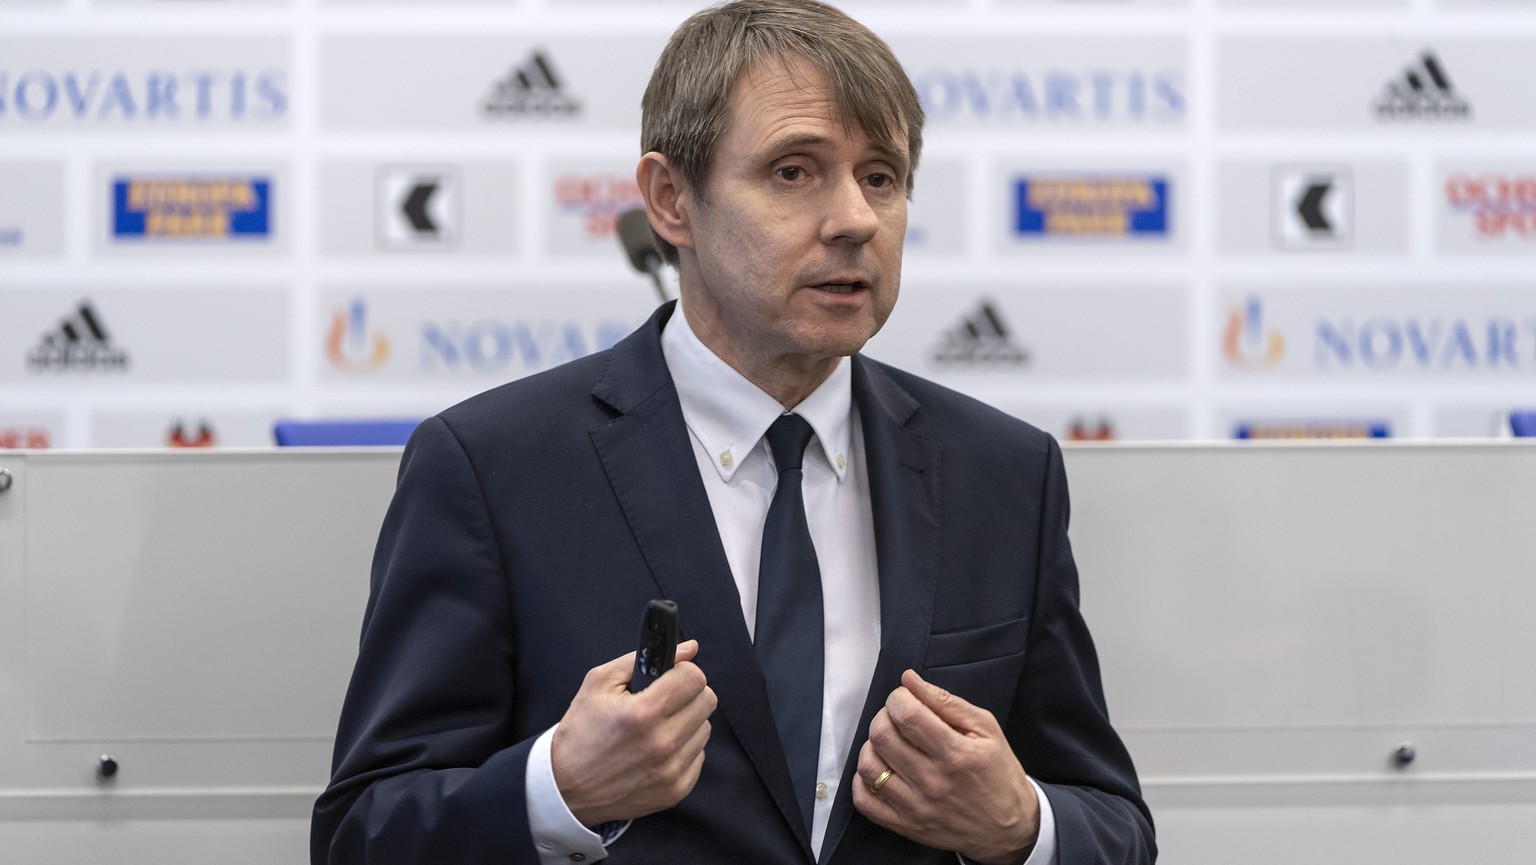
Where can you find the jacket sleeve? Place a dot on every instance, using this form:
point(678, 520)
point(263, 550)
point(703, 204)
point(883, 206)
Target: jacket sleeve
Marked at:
point(1062, 733)
point(426, 768)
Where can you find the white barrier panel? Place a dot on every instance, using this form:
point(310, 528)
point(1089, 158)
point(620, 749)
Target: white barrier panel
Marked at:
point(1274, 622)
point(193, 616)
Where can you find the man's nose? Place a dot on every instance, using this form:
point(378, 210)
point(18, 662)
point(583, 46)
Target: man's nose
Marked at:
point(849, 217)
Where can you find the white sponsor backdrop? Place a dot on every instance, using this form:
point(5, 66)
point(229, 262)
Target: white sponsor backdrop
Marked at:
point(1135, 219)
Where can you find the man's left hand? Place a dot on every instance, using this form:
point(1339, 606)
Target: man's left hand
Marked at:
point(955, 783)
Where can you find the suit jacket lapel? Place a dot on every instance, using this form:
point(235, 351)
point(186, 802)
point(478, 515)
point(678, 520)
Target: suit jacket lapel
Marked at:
point(903, 471)
point(646, 451)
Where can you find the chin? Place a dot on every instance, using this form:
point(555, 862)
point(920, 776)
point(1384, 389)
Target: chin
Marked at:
point(838, 347)
point(839, 339)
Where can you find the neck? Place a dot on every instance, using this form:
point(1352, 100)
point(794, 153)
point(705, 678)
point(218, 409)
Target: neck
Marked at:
point(788, 388)
point(787, 377)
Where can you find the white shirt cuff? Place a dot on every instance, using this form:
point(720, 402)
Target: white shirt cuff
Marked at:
point(1045, 845)
point(557, 836)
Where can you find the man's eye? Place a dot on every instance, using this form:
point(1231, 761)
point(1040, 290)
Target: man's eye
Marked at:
point(878, 180)
point(790, 172)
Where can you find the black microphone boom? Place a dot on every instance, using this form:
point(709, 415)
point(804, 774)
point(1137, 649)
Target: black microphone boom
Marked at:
point(640, 245)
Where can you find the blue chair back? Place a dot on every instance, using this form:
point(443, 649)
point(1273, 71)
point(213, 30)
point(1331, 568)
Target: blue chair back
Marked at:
point(1523, 423)
point(342, 433)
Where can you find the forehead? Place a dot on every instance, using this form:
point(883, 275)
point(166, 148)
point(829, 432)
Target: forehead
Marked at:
point(777, 97)
point(775, 93)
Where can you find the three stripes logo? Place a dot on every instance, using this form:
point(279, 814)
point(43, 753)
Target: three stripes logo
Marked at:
point(531, 89)
point(980, 339)
point(79, 344)
point(1422, 92)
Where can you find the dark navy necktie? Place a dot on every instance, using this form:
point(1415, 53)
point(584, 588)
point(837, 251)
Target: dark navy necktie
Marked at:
point(788, 634)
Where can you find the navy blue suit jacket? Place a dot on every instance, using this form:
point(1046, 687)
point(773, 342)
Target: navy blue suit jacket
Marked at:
point(532, 523)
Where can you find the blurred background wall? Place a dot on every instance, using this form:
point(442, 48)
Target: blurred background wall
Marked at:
point(1134, 219)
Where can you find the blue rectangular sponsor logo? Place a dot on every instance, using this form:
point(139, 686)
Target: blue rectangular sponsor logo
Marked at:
point(1092, 207)
point(192, 208)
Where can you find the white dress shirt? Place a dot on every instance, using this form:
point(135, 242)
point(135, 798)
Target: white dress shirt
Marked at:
point(727, 417)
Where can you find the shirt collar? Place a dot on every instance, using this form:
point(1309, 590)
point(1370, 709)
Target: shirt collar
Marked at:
point(729, 414)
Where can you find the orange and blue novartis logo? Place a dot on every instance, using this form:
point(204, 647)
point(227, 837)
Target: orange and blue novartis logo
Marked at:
point(1247, 343)
point(350, 345)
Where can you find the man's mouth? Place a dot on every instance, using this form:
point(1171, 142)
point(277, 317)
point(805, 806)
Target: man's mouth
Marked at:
point(839, 287)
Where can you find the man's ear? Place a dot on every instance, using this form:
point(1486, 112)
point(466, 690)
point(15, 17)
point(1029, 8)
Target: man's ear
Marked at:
point(668, 202)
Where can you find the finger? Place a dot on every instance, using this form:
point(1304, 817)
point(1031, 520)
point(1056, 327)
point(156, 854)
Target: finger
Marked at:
point(697, 739)
point(623, 667)
point(677, 688)
point(890, 750)
point(687, 650)
point(951, 709)
point(868, 766)
point(871, 765)
point(878, 807)
point(879, 811)
point(683, 783)
point(694, 769)
point(919, 725)
point(694, 714)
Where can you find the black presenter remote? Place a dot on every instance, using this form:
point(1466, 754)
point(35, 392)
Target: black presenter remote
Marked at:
point(658, 644)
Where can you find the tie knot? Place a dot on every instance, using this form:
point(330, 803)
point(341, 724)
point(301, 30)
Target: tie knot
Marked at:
point(787, 439)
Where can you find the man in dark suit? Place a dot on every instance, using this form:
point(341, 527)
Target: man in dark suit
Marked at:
point(885, 661)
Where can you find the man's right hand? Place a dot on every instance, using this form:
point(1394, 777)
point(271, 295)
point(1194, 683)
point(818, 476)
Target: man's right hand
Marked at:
point(617, 755)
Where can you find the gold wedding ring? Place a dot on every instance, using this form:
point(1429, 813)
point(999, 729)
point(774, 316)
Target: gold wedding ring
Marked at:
point(880, 781)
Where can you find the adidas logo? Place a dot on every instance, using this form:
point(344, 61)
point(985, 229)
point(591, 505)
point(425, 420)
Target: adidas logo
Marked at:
point(980, 339)
point(80, 344)
point(530, 90)
point(1423, 92)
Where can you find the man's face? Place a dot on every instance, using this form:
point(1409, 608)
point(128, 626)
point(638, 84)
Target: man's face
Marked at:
point(796, 240)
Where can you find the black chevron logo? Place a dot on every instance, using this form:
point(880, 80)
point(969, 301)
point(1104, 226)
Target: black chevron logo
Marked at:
point(419, 207)
point(1310, 207)
point(415, 207)
point(1314, 207)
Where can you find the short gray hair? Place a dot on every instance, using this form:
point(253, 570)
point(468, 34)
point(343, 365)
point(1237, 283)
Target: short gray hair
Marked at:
point(686, 106)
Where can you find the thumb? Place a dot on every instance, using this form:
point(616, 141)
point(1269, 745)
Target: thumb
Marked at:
point(951, 709)
point(615, 674)
point(687, 650)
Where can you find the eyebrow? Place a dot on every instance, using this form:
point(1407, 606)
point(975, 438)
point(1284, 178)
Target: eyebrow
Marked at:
point(798, 140)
